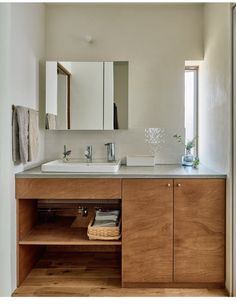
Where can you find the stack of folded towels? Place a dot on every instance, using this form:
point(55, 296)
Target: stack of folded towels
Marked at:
point(106, 218)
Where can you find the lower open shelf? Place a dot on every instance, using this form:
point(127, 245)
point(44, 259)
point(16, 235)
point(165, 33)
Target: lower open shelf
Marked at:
point(90, 274)
point(60, 232)
point(72, 273)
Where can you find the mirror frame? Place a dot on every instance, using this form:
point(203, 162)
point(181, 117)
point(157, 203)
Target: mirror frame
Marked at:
point(63, 71)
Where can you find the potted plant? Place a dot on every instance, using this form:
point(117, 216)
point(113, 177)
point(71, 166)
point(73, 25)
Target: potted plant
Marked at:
point(188, 158)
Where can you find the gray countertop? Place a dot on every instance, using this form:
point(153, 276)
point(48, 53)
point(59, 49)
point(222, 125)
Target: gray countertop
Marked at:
point(159, 171)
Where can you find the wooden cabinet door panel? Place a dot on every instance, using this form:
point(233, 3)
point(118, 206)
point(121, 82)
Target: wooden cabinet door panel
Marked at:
point(147, 230)
point(199, 230)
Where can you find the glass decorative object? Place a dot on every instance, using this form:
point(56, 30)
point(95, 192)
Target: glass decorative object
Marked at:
point(154, 137)
point(187, 159)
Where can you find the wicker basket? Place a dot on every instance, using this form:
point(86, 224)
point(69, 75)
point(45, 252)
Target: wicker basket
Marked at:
point(104, 233)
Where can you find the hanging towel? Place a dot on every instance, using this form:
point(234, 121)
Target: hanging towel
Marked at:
point(51, 121)
point(21, 129)
point(33, 134)
point(15, 138)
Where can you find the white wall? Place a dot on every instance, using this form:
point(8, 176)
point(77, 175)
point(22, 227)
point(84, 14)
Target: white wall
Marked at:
point(23, 41)
point(156, 39)
point(215, 104)
point(5, 164)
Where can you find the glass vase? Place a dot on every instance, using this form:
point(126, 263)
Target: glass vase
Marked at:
point(187, 159)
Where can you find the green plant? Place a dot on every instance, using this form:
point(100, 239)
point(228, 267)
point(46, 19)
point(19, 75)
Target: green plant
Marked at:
point(196, 163)
point(190, 143)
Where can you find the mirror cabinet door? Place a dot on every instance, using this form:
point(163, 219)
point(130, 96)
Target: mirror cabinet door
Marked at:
point(86, 95)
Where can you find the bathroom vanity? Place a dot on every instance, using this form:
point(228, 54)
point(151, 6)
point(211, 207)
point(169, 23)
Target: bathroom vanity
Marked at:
point(173, 222)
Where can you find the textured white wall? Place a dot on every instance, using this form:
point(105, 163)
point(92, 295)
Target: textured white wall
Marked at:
point(23, 46)
point(215, 104)
point(5, 164)
point(156, 39)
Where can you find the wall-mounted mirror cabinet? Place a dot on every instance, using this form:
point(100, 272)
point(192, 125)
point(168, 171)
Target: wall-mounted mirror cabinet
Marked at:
point(86, 95)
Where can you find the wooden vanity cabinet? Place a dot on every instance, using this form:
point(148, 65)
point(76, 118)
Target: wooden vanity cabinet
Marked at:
point(147, 231)
point(173, 232)
point(199, 230)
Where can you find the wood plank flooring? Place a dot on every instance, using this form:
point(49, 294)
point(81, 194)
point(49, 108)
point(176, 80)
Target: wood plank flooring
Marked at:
point(90, 274)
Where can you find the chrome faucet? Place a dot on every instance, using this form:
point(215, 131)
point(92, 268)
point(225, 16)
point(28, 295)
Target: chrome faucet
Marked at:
point(110, 152)
point(88, 153)
point(66, 154)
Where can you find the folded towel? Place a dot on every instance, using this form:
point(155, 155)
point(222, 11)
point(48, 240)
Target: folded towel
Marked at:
point(33, 134)
point(20, 131)
point(51, 121)
point(108, 213)
point(105, 223)
point(15, 138)
point(106, 218)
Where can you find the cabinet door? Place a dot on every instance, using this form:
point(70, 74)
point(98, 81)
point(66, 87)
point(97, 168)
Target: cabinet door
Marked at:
point(199, 230)
point(147, 230)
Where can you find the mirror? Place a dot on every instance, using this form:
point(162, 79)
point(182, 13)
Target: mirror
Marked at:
point(86, 95)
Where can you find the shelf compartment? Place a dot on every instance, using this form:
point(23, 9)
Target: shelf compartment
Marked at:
point(59, 232)
point(73, 274)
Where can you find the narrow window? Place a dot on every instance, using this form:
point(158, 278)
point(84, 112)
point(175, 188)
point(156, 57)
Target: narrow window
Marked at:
point(191, 105)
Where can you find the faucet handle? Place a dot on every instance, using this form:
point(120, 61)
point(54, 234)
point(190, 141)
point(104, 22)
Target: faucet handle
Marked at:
point(109, 144)
point(88, 153)
point(66, 152)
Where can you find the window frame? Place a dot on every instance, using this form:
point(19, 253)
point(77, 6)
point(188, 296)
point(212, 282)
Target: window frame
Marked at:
point(195, 69)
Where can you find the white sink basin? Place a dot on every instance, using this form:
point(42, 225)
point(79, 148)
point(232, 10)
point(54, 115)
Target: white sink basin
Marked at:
point(81, 166)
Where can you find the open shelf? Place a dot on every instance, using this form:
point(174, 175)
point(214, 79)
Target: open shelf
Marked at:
point(59, 232)
point(81, 274)
point(73, 274)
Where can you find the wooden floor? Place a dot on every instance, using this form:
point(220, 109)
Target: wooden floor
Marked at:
point(90, 274)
